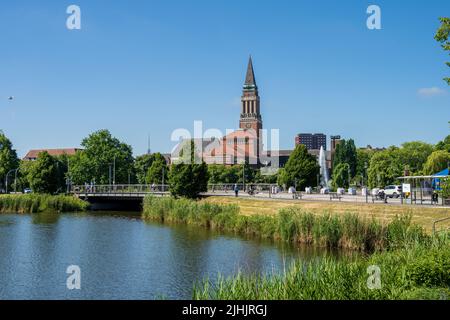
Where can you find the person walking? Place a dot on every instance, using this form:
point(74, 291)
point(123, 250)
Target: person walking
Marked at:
point(236, 190)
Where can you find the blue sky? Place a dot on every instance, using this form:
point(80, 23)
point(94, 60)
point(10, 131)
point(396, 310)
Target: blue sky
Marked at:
point(149, 67)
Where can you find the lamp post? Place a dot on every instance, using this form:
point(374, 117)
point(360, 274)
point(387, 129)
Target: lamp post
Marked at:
point(15, 180)
point(110, 174)
point(114, 171)
point(243, 177)
point(6, 179)
point(366, 180)
point(162, 187)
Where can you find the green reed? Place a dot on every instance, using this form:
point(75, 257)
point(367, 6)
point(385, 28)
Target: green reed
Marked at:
point(32, 203)
point(420, 271)
point(290, 225)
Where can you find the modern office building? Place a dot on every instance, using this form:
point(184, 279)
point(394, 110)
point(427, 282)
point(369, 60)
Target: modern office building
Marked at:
point(312, 141)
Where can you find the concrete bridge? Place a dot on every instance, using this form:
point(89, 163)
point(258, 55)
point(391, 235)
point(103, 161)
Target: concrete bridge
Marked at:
point(117, 196)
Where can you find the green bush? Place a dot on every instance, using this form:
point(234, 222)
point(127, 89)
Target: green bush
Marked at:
point(431, 270)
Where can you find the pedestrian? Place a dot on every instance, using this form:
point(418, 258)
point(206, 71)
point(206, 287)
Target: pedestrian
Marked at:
point(236, 190)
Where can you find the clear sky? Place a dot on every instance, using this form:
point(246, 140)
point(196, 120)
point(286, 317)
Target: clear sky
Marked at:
point(149, 67)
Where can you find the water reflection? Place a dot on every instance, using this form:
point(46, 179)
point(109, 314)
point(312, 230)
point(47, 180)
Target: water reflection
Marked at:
point(121, 257)
point(45, 217)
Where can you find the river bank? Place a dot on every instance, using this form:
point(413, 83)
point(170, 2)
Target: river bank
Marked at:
point(293, 225)
point(32, 203)
point(419, 271)
point(399, 261)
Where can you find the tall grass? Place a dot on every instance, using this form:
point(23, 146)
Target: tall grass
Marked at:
point(290, 225)
point(421, 271)
point(31, 203)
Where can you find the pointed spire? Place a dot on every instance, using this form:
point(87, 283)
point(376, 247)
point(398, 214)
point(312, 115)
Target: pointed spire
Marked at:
point(149, 151)
point(250, 77)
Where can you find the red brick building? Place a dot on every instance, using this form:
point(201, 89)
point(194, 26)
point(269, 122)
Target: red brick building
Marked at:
point(33, 154)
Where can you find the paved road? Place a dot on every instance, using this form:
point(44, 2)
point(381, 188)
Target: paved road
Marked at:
point(323, 197)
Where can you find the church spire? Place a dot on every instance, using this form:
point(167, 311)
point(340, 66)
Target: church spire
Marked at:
point(250, 82)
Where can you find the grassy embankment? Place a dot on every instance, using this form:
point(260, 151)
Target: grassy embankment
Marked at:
point(413, 265)
point(294, 225)
point(423, 216)
point(32, 203)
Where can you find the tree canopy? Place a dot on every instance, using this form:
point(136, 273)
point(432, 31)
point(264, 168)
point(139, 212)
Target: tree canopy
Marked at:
point(8, 157)
point(157, 170)
point(102, 150)
point(188, 178)
point(441, 36)
point(341, 176)
point(385, 167)
point(413, 155)
point(301, 169)
point(436, 162)
point(346, 153)
point(444, 144)
point(43, 174)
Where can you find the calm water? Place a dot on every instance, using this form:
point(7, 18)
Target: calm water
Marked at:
point(122, 257)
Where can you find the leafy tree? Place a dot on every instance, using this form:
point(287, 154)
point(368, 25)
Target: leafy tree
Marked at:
point(62, 166)
point(43, 174)
point(445, 188)
point(436, 162)
point(413, 155)
point(301, 169)
point(444, 144)
point(80, 168)
point(363, 157)
point(351, 156)
point(141, 166)
point(230, 174)
point(157, 169)
point(8, 158)
point(441, 36)
point(188, 178)
point(341, 176)
point(339, 154)
point(219, 173)
point(346, 153)
point(24, 170)
point(385, 167)
point(101, 151)
point(260, 178)
point(247, 172)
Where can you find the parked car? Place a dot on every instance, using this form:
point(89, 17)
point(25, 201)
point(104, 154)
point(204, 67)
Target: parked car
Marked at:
point(393, 191)
point(27, 190)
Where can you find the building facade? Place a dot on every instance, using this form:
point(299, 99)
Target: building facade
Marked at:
point(312, 141)
point(240, 146)
point(32, 155)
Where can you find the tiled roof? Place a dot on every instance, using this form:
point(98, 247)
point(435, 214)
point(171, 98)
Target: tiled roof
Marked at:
point(33, 154)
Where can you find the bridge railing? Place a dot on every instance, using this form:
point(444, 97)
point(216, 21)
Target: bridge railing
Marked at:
point(229, 187)
point(119, 188)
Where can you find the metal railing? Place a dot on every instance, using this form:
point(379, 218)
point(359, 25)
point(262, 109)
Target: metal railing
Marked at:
point(438, 221)
point(119, 189)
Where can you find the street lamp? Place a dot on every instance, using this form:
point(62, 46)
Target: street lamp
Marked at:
point(6, 179)
point(366, 180)
point(162, 187)
point(110, 174)
point(114, 172)
point(15, 180)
